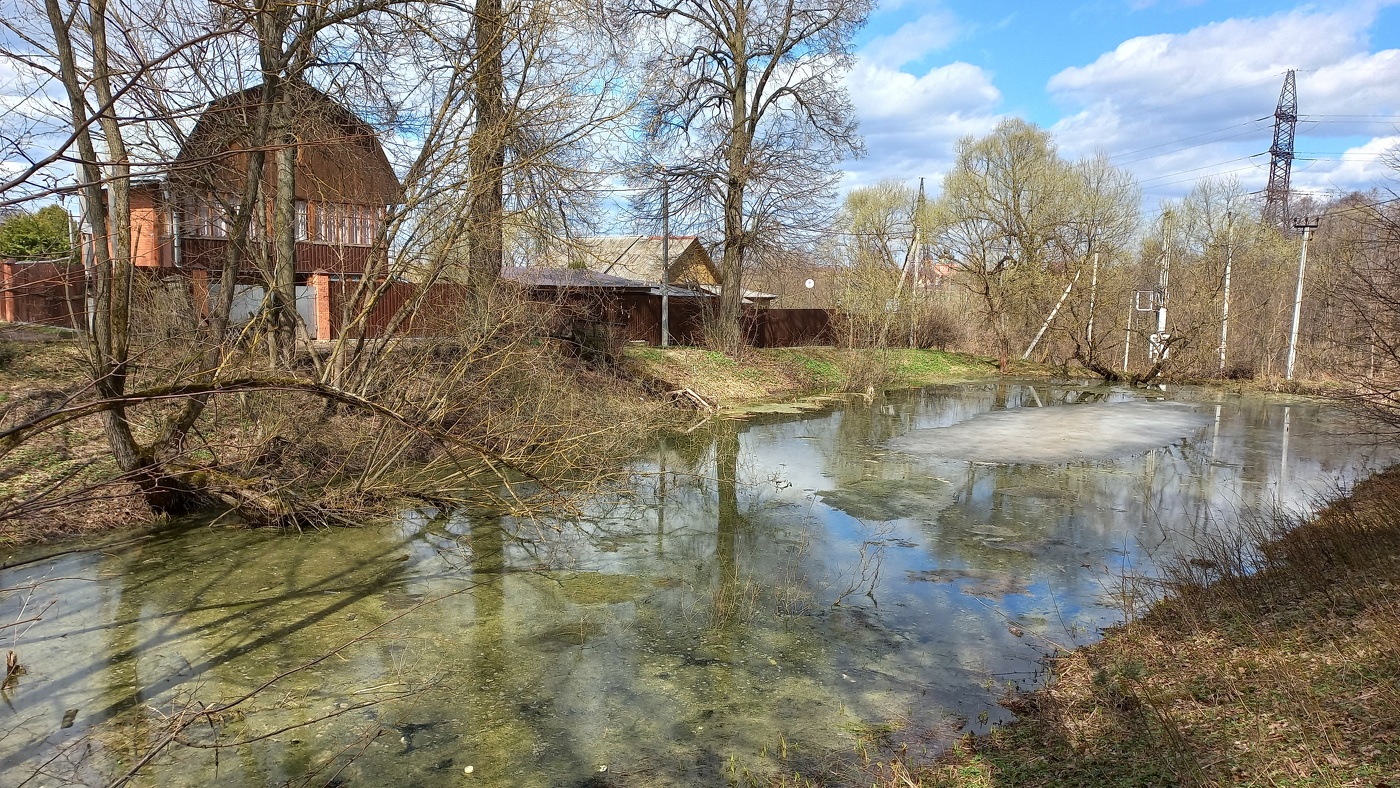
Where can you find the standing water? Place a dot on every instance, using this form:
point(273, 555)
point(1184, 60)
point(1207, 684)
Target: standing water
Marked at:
point(767, 589)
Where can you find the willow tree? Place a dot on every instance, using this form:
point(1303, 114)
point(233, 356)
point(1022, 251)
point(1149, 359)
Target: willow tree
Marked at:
point(748, 97)
point(1021, 224)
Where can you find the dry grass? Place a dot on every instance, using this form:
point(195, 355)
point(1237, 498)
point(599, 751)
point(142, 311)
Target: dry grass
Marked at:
point(37, 368)
point(466, 413)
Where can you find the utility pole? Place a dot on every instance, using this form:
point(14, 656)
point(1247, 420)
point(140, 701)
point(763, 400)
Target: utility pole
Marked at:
point(1159, 348)
point(1225, 310)
point(918, 252)
point(665, 259)
point(1307, 226)
point(1093, 295)
point(1128, 339)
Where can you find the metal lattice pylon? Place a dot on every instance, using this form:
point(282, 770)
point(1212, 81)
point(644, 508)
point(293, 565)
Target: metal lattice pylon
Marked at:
point(1281, 153)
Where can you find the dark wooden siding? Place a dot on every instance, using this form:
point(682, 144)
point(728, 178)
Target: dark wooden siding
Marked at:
point(789, 327)
point(311, 257)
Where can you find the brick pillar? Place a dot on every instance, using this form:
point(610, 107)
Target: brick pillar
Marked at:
point(7, 280)
point(320, 282)
point(199, 292)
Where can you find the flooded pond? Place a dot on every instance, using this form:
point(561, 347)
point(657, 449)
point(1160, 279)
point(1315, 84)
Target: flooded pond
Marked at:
point(766, 591)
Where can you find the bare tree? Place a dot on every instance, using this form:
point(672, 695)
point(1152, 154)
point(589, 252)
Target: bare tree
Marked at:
point(748, 96)
point(876, 226)
point(155, 380)
point(1355, 321)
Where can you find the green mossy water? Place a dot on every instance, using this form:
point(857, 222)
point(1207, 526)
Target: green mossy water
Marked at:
point(766, 590)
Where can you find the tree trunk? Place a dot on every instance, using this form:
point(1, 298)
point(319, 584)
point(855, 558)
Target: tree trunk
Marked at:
point(111, 274)
point(486, 152)
point(725, 329)
point(282, 294)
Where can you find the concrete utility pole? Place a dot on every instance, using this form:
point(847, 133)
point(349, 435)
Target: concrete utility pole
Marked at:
point(1158, 348)
point(665, 259)
point(1225, 310)
point(1093, 296)
point(918, 251)
point(1128, 339)
point(1307, 226)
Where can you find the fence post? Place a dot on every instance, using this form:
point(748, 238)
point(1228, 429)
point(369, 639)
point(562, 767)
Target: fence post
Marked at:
point(199, 291)
point(320, 282)
point(7, 271)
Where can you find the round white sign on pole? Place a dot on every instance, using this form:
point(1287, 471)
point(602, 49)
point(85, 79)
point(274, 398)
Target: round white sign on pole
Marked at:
point(811, 284)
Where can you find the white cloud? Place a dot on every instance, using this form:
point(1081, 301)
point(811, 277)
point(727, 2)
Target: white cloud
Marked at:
point(913, 41)
point(1175, 107)
point(912, 123)
point(1358, 168)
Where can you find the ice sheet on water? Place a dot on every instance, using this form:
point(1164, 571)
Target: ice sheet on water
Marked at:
point(1047, 436)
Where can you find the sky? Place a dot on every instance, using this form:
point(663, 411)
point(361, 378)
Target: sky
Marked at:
point(1173, 90)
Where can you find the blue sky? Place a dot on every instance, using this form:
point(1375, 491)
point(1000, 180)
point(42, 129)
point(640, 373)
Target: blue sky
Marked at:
point(1171, 89)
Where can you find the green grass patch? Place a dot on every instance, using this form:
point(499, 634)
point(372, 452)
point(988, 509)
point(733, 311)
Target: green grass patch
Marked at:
point(823, 373)
point(785, 374)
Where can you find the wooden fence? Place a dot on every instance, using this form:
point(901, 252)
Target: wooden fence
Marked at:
point(789, 327)
point(53, 294)
point(46, 293)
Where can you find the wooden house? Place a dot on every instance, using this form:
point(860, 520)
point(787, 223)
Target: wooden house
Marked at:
point(588, 301)
point(639, 257)
point(343, 186)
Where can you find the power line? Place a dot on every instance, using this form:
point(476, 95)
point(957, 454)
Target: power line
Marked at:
point(1196, 178)
point(1184, 139)
point(1202, 167)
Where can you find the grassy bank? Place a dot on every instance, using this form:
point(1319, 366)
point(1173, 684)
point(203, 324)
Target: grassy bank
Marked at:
point(1275, 666)
point(768, 375)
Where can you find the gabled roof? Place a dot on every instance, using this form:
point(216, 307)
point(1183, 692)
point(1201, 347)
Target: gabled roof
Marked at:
point(578, 278)
point(583, 279)
point(321, 123)
point(639, 256)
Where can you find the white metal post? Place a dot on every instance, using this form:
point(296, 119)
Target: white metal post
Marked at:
point(1307, 227)
point(665, 260)
point(1225, 310)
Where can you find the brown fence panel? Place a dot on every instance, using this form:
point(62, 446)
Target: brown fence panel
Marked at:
point(687, 320)
point(45, 293)
point(789, 327)
point(643, 314)
point(436, 313)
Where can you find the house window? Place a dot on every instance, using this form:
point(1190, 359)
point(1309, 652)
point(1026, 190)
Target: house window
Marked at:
point(302, 227)
point(218, 224)
point(203, 217)
point(353, 225)
point(323, 225)
point(333, 210)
